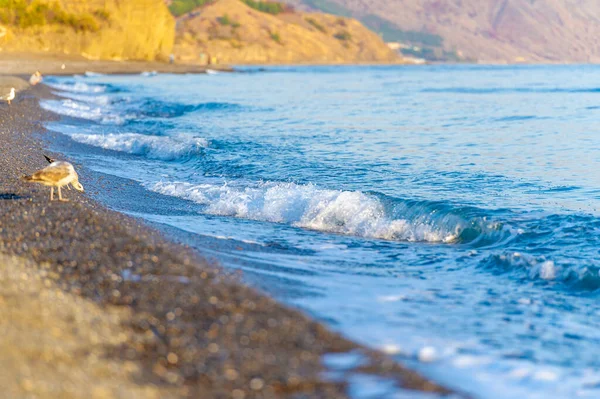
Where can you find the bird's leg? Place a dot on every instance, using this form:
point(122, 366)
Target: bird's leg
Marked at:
point(69, 187)
point(51, 193)
point(8, 102)
point(60, 198)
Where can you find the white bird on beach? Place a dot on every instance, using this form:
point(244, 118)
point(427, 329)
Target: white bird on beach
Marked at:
point(10, 96)
point(57, 174)
point(52, 160)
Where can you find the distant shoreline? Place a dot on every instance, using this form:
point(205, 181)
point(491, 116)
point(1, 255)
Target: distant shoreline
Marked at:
point(25, 64)
point(52, 64)
point(182, 324)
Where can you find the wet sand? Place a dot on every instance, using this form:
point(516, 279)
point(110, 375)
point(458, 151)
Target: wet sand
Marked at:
point(101, 305)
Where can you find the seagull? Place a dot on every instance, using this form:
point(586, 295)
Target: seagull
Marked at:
point(10, 96)
point(57, 174)
point(52, 160)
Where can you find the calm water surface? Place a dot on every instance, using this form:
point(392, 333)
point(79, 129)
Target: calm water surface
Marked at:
point(446, 215)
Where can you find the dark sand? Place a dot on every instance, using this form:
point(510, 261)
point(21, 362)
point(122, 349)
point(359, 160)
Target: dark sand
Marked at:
point(96, 304)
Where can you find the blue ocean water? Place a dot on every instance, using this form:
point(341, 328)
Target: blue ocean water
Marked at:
point(447, 215)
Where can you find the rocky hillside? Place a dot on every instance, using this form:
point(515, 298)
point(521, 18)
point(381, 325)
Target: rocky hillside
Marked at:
point(96, 29)
point(250, 32)
point(484, 30)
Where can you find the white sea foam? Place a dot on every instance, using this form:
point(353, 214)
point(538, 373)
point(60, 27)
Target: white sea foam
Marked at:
point(427, 354)
point(159, 147)
point(546, 270)
point(86, 98)
point(535, 267)
point(82, 110)
point(78, 87)
point(91, 74)
point(306, 206)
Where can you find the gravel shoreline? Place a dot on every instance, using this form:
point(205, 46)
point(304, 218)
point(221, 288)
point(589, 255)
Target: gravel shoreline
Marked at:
point(52, 64)
point(185, 328)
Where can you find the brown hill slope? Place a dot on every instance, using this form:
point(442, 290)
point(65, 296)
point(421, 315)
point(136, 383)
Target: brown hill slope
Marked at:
point(494, 30)
point(234, 33)
point(97, 29)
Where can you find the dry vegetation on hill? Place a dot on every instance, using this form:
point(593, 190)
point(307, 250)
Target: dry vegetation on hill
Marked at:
point(98, 29)
point(229, 31)
point(249, 32)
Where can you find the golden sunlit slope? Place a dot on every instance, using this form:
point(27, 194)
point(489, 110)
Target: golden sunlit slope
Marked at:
point(97, 29)
point(235, 33)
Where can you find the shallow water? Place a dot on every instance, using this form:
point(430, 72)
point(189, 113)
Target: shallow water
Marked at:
point(447, 215)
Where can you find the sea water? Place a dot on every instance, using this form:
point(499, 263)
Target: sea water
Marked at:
point(447, 215)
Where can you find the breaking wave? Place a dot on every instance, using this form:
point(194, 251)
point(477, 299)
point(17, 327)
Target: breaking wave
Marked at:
point(573, 273)
point(78, 87)
point(77, 109)
point(87, 98)
point(342, 212)
point(103, 109)
point(159, 147)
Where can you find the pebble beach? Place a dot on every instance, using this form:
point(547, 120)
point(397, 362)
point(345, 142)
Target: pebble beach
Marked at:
point(101, 305)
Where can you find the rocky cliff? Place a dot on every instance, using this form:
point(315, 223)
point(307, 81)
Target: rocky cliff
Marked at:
point(485, 30)
point(97, 29)
point(232, 32)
